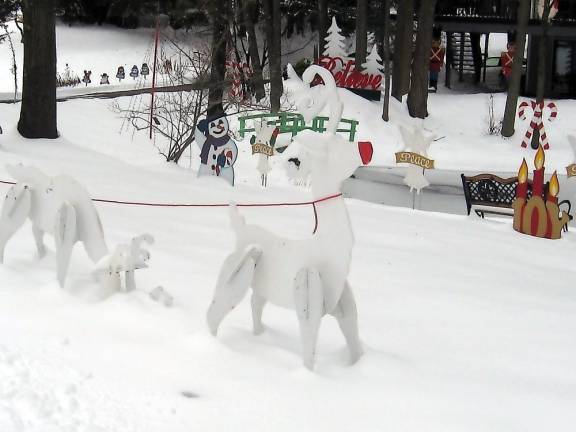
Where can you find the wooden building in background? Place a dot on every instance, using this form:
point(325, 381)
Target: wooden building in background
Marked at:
point(468, 25)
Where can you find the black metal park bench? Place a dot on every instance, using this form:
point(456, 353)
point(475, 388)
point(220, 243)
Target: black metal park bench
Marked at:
point(490, 194)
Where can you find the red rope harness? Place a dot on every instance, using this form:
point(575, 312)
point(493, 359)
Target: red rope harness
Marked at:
point(278, 204)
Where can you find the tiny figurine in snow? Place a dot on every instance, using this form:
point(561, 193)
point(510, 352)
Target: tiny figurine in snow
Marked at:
point(56, 205)
point(167, 66)
point(125, 259)
point(437, 53)
point(308, 275)
point(144, 70)
point(263, 145)
point(104, 79)
point(134, 72)
point(86, 80)
point(218, 152)
point(120, 74)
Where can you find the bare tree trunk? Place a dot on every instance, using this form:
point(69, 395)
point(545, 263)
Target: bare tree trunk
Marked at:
point(38, 111)
point(403, 48)
point(274, 34)
point(418, 95)
point(516, 77)
point(219, 16)
point(361, 33)
point(386, 104)
point(322, 25)
point(542, 61)
point(257, 78)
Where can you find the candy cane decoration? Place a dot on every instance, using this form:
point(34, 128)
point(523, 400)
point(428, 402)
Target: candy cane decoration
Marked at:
point(537, 122)
point(235, 71)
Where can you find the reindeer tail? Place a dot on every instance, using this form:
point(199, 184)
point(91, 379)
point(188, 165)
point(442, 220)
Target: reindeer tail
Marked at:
point(236, 219)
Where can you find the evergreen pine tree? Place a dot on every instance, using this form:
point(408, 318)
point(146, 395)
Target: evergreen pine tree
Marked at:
point(373, 65)
point(335, 42)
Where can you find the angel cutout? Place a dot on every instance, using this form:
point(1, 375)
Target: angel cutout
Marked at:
point(415, 140)
point(418, 143)
point(263, 145)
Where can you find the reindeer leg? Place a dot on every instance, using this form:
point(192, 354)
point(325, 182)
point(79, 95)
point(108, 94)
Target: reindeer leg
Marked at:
point(233, 283)
point(347, 317)
point(39, 238)
point(130, 281)
point(16, 209)
point(65, 236)
point(309, 299)
point(258, 303)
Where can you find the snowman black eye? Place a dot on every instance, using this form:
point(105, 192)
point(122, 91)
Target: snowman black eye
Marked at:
point(212, 124)
point(220, 122)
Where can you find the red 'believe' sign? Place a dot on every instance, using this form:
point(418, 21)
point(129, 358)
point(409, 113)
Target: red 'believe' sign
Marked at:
point(347, 75)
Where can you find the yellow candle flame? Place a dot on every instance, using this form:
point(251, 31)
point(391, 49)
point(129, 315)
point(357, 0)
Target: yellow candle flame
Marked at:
point(540, 158)
point(554, 186)
point(523, 172)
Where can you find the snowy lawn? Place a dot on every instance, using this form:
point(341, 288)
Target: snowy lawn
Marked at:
point(467, 325)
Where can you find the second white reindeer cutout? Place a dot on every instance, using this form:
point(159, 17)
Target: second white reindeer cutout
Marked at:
point(310, 275)
point(59, 206)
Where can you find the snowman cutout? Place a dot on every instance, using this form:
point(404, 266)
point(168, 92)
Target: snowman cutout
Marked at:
point(218, 152)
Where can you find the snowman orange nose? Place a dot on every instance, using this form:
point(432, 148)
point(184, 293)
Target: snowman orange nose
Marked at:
point(366, 151)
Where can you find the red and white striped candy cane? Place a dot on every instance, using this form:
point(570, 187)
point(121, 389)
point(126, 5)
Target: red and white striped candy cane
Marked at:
point(236, 75)
point(536, 122)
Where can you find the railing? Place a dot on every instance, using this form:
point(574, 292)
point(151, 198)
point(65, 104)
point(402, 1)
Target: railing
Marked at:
point(502, 9)
point(498, 9)
point(294, 123)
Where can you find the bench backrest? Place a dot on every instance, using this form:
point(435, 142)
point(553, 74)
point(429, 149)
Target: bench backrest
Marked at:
point(491, 190)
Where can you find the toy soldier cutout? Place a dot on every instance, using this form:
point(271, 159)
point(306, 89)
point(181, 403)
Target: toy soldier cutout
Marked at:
point(437, 53)
point(506, 61)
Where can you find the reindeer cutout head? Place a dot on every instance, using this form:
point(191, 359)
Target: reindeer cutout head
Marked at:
point(327, 159)
point(311, 100)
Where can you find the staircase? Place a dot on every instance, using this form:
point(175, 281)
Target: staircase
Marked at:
point(462, 57)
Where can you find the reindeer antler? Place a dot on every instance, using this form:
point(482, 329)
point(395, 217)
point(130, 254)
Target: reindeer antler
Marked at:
point(310, 105)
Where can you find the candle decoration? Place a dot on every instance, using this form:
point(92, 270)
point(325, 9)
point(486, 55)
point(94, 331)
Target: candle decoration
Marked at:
point(538, 215)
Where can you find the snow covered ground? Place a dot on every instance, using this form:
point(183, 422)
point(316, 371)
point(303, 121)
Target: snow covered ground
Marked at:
point(467, 325)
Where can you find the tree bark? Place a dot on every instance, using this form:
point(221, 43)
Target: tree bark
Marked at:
point(386, 49)
point(38, 110)
point(219, 17)
point(361, 33)
point(418, 95)
point(403, 49)
point(274, 34)
point(542, 61)
point(323, 24)
point(257, 79)
point(516, 77)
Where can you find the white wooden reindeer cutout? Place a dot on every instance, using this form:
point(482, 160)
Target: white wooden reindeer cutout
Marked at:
point(122, 263)
point(309, 276)
point(56, 205)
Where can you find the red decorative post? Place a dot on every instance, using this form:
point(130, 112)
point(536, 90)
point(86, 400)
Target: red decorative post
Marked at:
point(157, 37)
